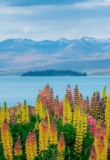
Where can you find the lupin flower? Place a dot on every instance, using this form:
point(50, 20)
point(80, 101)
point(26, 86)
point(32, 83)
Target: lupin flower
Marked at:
point(98, 132)
point(104, 92)
point(87, 104)
point(93, 106)
point(67, 114)
point(61, 147)
point(1, 117)
point(107, 115)
point(79, 138)
point(28, 147)
point(84, 123)
point(24, 113)
point(6, 140)
point(6, 114)
point(76, 94)
point(109, 150)
point(93, 155)
point(92, 123)
point(106, 146)
point(53, 133)
point(39, 108)
point(34, 143)
point(97, 97)
point(19, 113)
point(76, 116)
point(60, 109)
point(104, 129)
point(27, 120)
point(46, 97)
point(18, 148)
point(100, 142)
point(56, 104)
point(31, 147)
point(69, 94)
point(43, 135)
point(80, 102)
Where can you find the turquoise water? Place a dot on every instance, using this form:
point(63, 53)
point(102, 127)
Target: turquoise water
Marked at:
point(17, 89)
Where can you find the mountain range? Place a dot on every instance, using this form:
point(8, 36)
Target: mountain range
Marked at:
point(87, 54)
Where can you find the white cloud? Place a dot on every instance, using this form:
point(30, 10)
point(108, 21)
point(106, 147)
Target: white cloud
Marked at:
point(27, 29)
point(55, 22)
point(92, 4)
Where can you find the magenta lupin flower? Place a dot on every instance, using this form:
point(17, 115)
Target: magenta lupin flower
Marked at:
point(92, 123)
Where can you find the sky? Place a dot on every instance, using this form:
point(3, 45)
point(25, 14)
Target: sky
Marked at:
point(54, 19)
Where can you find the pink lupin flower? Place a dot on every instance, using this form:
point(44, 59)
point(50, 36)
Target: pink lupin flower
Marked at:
point(92, 123)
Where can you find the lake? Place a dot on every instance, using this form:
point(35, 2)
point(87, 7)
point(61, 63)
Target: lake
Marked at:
point(17, 89)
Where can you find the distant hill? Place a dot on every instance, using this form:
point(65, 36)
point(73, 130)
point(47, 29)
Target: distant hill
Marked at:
point(54, 73)
point(87, 54)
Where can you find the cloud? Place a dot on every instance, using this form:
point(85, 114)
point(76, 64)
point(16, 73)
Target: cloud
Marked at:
point(39, 22)
point(92, 4)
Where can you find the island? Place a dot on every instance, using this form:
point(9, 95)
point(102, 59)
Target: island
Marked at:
point(53, 72)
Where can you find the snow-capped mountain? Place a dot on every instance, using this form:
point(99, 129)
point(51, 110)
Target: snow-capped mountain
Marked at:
point(86, 54)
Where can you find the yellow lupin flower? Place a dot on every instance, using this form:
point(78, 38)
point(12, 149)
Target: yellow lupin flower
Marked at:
point(53, 133)
point(19, 114)
point(76, 116)
point(31, 146)
point(37, 105)
point(84, 123)
point(104, 92)
point(6, 141)
point(41, 138)
point(107, 115)
point(39, 108)
point(25, 113)
point(43, 135)
point(67, 114)
point(34, 143)
point(6, 114)
point(79, 137)
point(106, 146)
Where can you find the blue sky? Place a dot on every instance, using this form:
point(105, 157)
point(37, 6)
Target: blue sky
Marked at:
point(54, 19)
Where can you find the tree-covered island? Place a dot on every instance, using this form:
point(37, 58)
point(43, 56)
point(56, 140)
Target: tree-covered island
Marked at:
point(54, 73)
